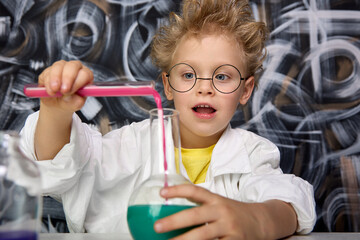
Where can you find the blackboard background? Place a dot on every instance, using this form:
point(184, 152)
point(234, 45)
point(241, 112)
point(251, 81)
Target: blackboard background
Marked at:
point(307, 102)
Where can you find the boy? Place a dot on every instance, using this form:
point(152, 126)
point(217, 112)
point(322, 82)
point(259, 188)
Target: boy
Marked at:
point(208, 56)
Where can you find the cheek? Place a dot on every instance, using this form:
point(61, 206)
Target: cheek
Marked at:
point(233, 101)
point(180, 99)
point(182, 104)
point(230, 106)
point(178, 102)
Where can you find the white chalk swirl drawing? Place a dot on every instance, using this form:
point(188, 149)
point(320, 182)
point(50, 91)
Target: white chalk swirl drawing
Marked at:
point(307, 101)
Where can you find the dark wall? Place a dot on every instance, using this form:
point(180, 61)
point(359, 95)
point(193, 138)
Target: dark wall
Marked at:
point(307, 101)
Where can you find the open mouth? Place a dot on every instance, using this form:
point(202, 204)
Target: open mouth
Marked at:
point(204, 109)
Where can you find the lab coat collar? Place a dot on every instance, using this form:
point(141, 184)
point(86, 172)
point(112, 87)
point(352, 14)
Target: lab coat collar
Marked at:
point(229, 155)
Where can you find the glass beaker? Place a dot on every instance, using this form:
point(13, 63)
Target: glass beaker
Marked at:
point(20, 191)
point(146, 205)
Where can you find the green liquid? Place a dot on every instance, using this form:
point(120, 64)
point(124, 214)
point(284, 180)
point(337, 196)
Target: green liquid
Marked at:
point(141, 219)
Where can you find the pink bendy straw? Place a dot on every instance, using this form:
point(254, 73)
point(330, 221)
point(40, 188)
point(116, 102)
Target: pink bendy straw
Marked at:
point(100, 89)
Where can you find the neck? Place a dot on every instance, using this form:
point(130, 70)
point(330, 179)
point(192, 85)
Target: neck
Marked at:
point(190, 140)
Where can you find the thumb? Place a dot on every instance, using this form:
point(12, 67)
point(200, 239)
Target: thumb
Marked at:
point(73, 102)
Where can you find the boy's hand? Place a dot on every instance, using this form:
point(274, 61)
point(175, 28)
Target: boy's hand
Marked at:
point(66, 78)
point(221, 217)
point(55, 118)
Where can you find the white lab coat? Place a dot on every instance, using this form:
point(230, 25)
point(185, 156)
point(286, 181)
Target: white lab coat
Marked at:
point(94, 175)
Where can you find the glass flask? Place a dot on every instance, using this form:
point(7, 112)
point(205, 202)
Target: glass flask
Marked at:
point(146, 205)
point(20, 191)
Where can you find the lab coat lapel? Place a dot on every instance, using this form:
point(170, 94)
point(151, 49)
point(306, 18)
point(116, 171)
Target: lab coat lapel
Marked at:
point(229, 155)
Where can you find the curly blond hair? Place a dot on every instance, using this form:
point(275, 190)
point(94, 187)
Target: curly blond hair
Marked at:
point(234, 17)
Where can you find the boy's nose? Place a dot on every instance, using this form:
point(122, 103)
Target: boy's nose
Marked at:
point(204, 86)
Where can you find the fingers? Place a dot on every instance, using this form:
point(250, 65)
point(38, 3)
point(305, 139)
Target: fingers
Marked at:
point(84, 77)
point(51, 90)
point(65, 77)
point(190, 191)
point(213, 219)
point(191, 217)
point(197, 216)
point(206, 231)
point(74, 76)
point(68, 73)
point(72, 102)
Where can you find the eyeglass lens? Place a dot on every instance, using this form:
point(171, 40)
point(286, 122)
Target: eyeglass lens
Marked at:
point(226, 78)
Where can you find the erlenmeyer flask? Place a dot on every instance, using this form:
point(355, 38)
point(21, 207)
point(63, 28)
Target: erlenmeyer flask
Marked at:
point(146, 205)
point(20, 191)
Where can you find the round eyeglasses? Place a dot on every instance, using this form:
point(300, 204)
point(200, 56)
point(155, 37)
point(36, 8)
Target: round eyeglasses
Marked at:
point(225, 79)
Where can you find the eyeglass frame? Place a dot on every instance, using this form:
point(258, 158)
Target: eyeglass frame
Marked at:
point(210, 79)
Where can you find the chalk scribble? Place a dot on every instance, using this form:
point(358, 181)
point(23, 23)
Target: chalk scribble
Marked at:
point(307, 101)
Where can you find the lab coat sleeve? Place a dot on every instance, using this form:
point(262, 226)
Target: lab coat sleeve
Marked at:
point(61, 173)
point(266, 181)
point(92, 172)
point(70, 174)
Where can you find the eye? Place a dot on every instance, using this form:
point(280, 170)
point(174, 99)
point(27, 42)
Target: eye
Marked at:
point(189, 76)
point(221, 77)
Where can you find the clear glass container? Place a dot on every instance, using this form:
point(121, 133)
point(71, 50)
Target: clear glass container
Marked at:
point(146, 205)
point(20, 191)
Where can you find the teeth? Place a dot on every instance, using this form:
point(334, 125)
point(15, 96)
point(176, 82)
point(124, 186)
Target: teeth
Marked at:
point(203, 106)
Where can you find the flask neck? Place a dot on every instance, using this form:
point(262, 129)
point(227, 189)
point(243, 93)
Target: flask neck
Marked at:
point(165, 138)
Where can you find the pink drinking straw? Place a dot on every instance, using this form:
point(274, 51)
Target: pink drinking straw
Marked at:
point(112, 89)
point(102, 89)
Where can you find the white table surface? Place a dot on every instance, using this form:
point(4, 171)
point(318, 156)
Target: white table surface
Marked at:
point(112, 236)
point(326, 236)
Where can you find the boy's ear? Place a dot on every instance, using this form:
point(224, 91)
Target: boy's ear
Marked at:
point(248, 89)
point(167, 88)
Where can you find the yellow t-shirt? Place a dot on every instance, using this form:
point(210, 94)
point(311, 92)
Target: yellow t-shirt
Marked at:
point(196, 162)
